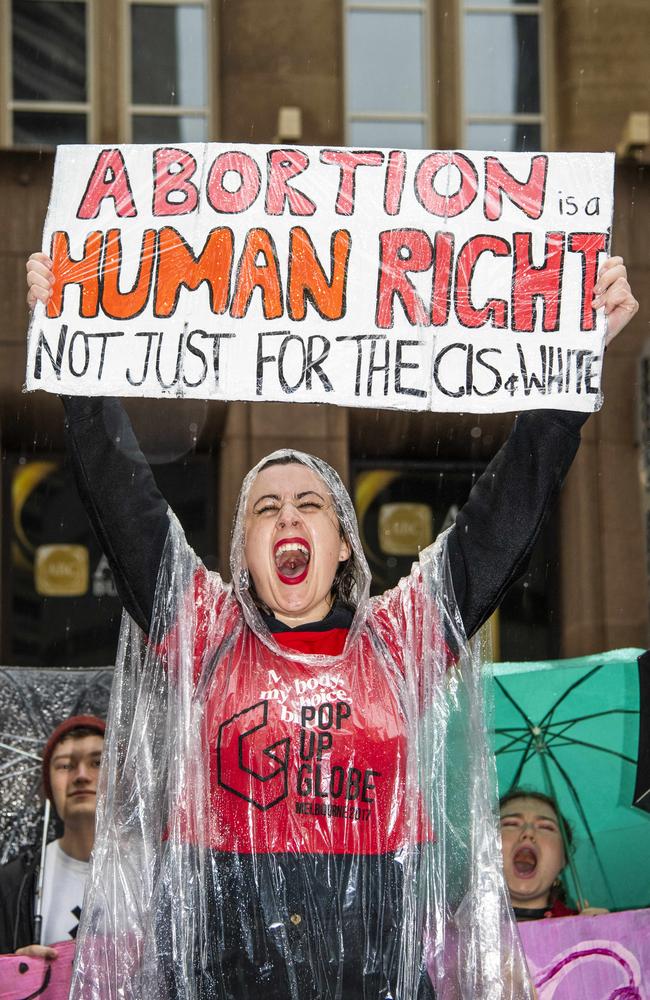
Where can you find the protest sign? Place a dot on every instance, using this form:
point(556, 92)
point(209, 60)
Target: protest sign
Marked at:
point(380, 278)
point(603, 958)
point(24, 978)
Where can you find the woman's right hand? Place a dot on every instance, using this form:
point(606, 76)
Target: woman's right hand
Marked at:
point(40, 279)
point(38, 951)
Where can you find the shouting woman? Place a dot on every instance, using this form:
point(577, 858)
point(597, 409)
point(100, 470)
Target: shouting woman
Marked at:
point(295, 800)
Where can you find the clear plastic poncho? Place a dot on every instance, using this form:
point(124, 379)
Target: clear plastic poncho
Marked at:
point(290, 825)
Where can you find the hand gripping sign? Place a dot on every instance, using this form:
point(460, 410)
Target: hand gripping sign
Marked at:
point(25, 978)
point(387, 278)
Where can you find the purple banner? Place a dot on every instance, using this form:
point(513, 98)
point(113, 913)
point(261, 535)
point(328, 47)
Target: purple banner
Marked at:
point(595, 958)
point(24, 978)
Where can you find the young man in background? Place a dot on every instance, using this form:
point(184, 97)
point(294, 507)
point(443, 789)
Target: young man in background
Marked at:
point(71, 759)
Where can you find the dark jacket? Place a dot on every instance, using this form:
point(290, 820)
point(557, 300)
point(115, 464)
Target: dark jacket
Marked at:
point(17, 891)
point(489, 545)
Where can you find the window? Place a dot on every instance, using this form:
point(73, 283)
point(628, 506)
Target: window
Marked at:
point(502, 75)
point(47, 71)
point(464, 73)
point(105, 71)
point(387, 73)
point(168, 72)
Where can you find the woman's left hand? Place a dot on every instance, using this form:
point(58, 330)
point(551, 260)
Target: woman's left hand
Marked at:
point(592, 911)
point(613, 293)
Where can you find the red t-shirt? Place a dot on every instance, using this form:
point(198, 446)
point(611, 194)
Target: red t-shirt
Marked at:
point(305, 757)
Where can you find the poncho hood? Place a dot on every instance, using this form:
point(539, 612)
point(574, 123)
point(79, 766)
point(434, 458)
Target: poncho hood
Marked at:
point(345, 513)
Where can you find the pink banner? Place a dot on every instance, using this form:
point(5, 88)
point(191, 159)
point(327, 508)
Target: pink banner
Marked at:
point(590, 958)
point(23, 978)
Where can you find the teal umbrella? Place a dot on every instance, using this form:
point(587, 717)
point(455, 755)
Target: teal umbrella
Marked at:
point(570, 728)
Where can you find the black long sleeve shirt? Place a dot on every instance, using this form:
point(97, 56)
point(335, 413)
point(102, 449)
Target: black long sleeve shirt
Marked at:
point(489, 545)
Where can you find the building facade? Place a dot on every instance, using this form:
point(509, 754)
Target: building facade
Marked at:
point(412, 73)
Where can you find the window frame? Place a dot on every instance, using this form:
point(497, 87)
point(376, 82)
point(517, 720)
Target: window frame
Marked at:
point(443, 41)
point(10, 104)
point(128, 109)
point(539, 8)
point(426, 116)
point(108, 107)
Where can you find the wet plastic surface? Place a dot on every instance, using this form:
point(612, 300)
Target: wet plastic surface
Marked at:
point(297, 825)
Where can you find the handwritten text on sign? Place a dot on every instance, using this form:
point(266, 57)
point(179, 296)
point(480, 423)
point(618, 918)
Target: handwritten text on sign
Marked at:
point(391, 278)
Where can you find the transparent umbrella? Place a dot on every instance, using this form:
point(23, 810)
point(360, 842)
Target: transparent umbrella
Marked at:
point(33, 701)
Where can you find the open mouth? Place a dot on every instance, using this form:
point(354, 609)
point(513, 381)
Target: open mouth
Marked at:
point(292, 557)
point(524, 862)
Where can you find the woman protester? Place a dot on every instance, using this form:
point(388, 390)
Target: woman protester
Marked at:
point(535, 838)
point(295, 790)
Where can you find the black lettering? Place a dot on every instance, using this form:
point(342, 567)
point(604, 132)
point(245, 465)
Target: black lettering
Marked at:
point(197, 353)
point(306, 745)
point(86, 354)
point(484, 364)
point(383, 366)
point(369, 785)
point(145, 369)
point(324, 743)
point(436, 371)
point(318, 782)
point(42, 343)
point(337, 781)
point(399, 365)
point(308, 715)
point(286, 387)
point(314, 364)
point(343, 711)
point(304, 785)
point(354, 784)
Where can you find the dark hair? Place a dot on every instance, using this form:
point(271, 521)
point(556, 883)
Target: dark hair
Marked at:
point(558, 889)
point(345, 578)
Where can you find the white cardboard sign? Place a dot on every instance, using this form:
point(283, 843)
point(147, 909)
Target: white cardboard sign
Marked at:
point(413, 279)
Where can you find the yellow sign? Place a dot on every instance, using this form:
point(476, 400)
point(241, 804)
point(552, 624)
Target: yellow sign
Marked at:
point(61, 570)
point(404, 528)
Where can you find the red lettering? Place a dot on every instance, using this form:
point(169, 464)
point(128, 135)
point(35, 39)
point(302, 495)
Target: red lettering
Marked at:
point(283, 164)
point(447, 206)
point(172, 170)
point(590, 245)
point(528, 282)
point(250, 181)
point(109, 179)
point(347, 161)
point(443, 255)
point(495, 310)
point(402, 251)
point(395, 174)
point(527, 195)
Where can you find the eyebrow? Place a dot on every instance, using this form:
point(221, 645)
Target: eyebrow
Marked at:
point(514, 815)
point(69, 756)
point(297, 496)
